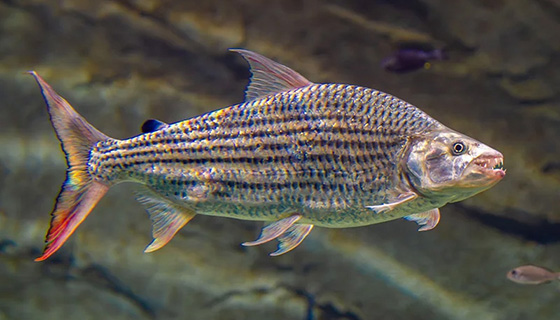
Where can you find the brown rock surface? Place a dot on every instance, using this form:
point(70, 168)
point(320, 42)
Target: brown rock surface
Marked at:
point(120, 62)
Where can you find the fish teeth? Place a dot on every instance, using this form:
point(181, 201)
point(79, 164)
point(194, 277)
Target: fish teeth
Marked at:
point(498, 166)
point(495, 164)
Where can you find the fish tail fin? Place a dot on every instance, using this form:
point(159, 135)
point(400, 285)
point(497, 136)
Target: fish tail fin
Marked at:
point(79, 193)
point(440, 54)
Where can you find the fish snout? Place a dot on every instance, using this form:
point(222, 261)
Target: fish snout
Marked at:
point(490, 163)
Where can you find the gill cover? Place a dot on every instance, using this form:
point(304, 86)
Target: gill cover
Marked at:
point(452, 165)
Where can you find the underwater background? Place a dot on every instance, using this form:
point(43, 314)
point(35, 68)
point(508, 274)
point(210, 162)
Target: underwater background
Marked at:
point(122, 62)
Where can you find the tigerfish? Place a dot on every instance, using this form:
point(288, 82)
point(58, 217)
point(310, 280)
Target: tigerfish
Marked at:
point(295, 155)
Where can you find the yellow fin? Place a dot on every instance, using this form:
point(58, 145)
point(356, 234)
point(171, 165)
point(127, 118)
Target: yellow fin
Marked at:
point(274, 230)
point(290, 239)
point(426, 220)
point(79, 193)
point(269, 77)
point(401, 199)
point(167, 218)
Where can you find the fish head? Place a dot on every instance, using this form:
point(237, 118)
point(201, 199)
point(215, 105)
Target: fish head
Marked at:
point(450, 165)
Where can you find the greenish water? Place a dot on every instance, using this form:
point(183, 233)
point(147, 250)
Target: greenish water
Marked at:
point(121, 62)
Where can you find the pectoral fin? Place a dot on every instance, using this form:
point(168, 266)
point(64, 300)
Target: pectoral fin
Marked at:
point(290, 239)
point(403, 198)
point(426, 220)
point(167, 219)
point(274, 230)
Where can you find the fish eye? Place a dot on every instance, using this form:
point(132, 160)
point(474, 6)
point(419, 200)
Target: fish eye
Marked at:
point(459, 148)
point(513, 272)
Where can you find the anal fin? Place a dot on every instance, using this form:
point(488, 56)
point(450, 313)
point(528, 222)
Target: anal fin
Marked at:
point(167, 218)
point(290, 239)
point(426, 220)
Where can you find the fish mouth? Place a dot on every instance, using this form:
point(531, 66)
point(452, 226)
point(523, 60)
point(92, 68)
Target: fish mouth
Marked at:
point(490, 166)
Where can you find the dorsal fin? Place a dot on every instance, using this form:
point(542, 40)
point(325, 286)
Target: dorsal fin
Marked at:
point(269, 77)
point(152, 125)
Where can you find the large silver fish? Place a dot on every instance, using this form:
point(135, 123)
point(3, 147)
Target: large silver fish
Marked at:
point(295, 154)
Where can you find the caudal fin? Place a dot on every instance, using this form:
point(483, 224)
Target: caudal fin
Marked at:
point(79, 193)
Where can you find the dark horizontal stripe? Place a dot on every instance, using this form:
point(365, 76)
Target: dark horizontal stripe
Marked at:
point(232, 185)
point(347, 139)
point(283, 127)
point(220, 149)
point(322, 191)
point(263, 122)
point(276, 168)
point(223, 153)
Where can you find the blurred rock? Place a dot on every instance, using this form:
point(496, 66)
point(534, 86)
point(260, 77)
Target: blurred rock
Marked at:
point(121, 62)
point(528, 90)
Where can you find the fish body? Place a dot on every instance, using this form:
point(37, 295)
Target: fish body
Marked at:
point(295, 154)
point(411, 59)
point(530, 274)
point(319, 150)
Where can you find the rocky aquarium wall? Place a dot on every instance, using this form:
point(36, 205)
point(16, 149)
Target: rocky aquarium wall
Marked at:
point(124, 61)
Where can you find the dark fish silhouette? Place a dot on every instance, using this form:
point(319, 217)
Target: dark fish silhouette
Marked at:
point(407, 60)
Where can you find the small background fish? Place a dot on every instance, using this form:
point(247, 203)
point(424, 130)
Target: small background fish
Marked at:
point(529, 274)
point(409, 59)
point(121, 63)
